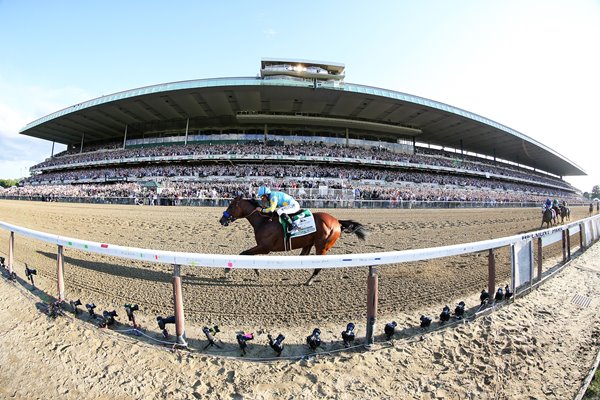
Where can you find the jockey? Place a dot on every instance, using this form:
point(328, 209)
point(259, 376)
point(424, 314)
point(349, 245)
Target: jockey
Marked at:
point(281, 203)
point(547, 204)
point(556, 206)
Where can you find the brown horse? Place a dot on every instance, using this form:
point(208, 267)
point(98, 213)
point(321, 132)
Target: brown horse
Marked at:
point(565, 213)
point(268, 232)
point(548, 217)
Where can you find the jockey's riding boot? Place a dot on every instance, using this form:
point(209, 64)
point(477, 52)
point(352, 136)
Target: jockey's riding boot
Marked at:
point(292, 227)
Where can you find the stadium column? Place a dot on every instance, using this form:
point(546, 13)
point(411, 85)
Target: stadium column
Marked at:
point(347, 137)
point(82, 137)
point(179, 316)
point(125, 137)
point(60, 274)
point(372, 298)
point(187, 126)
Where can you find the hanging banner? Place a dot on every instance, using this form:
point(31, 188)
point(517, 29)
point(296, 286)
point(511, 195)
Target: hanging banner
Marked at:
point(522, 262)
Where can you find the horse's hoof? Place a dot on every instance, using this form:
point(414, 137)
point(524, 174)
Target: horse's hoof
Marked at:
point(308, 283)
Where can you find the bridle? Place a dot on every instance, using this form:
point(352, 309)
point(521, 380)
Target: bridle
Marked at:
point(230, 218)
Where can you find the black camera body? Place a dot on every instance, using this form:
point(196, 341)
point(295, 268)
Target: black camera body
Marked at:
point(314, 340)
point(499, 295)
point(162, 324)
point(74, 305)
point(425, 321)
point(484, 297)
point(29, 273)
point(445, 315)
point(129, 309)
point(277, 344)
point(90, 307)
point(459, 311)
point(348, 335)
point(242, 338)
point(210, 335)
point(507, 293)
point(390, 329)
point(109, 318)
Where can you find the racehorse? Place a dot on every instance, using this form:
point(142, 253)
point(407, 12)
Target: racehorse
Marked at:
point(548, 217)
point(268, 232)
point(565, 212)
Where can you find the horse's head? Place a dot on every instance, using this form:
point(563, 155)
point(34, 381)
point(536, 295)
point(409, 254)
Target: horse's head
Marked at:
point(232, 213)
point(238, 208)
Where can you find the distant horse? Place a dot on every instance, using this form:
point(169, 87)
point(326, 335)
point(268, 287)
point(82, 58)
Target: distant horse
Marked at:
point(591, 209)
point(565, 213)
point(268, 232)
point(548, 217)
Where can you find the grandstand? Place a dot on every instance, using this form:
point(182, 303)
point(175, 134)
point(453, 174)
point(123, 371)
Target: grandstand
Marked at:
point(299, 126)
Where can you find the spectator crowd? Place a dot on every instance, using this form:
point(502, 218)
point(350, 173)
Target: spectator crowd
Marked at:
point(113, 172)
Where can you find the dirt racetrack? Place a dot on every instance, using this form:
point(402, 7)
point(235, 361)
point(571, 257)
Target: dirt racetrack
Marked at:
point(276, 297)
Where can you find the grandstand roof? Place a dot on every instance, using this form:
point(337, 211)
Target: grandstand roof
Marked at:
point(245, 102)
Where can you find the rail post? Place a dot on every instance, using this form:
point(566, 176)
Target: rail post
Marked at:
point(568, 235)
point(581, 228)
point(11, 251)
point(540, 258)
point(179, 316)
point(372, 298)
point(60, 274)
point(491, 272)
point(564, 245)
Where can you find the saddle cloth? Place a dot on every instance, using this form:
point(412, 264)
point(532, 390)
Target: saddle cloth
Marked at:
point(305, 221)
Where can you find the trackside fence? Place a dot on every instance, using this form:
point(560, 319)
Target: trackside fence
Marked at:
point(523, 267)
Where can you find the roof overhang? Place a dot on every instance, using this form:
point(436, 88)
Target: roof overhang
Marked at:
point(305, 120)
point(372, 112)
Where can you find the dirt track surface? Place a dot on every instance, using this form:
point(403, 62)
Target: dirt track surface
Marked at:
point(276, 297)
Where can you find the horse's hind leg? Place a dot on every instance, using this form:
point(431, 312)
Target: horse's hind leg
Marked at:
point(306, 251)
point(321, 248)
point(312, 277)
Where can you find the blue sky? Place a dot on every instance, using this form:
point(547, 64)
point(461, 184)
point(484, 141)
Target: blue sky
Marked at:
point(531, 65)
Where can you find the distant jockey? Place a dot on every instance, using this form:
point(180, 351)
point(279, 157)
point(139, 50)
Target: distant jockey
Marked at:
point(547, 205)
point(556, 206)
point(281, 203)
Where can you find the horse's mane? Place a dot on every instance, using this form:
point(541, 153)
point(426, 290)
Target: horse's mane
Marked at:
point(254, 202)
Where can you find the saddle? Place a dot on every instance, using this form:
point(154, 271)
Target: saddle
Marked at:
point(305, 221)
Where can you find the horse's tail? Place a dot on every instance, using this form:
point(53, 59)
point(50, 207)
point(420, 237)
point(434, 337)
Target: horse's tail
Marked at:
point(350, 226)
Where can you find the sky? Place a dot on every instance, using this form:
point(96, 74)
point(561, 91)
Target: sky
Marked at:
point(531, 65)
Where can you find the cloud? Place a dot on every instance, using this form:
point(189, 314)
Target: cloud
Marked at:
point(270, 33)
point(19, 105)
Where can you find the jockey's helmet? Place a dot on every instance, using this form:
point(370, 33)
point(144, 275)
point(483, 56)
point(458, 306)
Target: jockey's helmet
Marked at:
point(263, 191)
